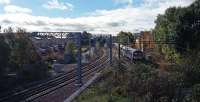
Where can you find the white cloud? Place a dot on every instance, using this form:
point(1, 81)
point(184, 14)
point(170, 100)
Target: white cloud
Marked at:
point(129, 2)
point(112, 21)
point(159, 3)
point(5, 2)
point(55, 4)
point(16, 9)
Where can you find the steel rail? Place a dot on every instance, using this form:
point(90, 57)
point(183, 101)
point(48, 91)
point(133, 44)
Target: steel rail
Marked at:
point(49, 80)
point(66, 79)
point(62, 84)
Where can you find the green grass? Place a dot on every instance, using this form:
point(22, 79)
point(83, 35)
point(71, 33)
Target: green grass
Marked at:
point(101, 92)
point(96, 94)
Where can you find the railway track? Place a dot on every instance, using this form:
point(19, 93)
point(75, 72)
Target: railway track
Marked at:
point(40, 90)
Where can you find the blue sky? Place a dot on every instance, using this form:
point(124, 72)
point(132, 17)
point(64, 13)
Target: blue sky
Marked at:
point(80, 7)
point(108, 16)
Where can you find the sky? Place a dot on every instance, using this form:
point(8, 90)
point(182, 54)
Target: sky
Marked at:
point(95, 16)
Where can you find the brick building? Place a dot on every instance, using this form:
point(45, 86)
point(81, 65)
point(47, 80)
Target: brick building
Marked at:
point(144, 41)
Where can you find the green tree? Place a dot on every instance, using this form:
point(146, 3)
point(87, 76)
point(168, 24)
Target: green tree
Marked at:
point(181, 23)
point(23, 51)
point(125, 37)
point(70, 50)
point(86, 38)
point(166, 24)
point(166, 28)
point(4, 54)
point(188, 33)
point(101, 40)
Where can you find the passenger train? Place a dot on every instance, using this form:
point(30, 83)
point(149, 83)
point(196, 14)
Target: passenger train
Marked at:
point(131, 53)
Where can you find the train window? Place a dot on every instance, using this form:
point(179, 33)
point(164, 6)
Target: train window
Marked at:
point(139, 53)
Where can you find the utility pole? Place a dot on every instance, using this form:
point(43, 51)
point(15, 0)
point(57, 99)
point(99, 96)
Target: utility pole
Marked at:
point(119, 51)
point(90, 47)
point(128, 41)
point(110, 49)
point(79, 69)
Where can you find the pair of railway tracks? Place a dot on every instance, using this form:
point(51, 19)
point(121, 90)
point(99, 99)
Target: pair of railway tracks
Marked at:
point(43, 89)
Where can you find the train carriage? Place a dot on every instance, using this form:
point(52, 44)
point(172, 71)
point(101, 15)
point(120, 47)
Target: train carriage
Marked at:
point(131, 53)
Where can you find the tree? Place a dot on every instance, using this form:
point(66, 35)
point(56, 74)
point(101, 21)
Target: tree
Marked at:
point(125, 37)
point(188, 33)
point(70, 54)
point(166, 24)
point(23, 52)
point(18, 55)
point(8, 30)
point(70, 48)
point(85, 38)
point(4, 55)
point(181, 23)
point(21, 30)
point(101, 40)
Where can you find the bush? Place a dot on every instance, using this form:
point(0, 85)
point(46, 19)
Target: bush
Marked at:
point(196, 93)
point(4, 55)
point(145, 82)
point(33, 72)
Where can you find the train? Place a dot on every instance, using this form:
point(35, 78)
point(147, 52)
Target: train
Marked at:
point(131, 53)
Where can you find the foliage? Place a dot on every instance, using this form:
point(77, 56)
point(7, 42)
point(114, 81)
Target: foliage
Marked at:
point(18, 56)
point(138, 83)
point(8, 30)
point(148, 83)
point(165, 24)
point(101, 40)
point(4, 54)
point(190, 67)
point(29, 73)
point(182, 24)
point(105, 90)
point(188, 33)
point(125, 37)
point(23, 51)
point(196, 92)
point(165, 29)
point(86, 38)
point(141, 82)
point(70, 50)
